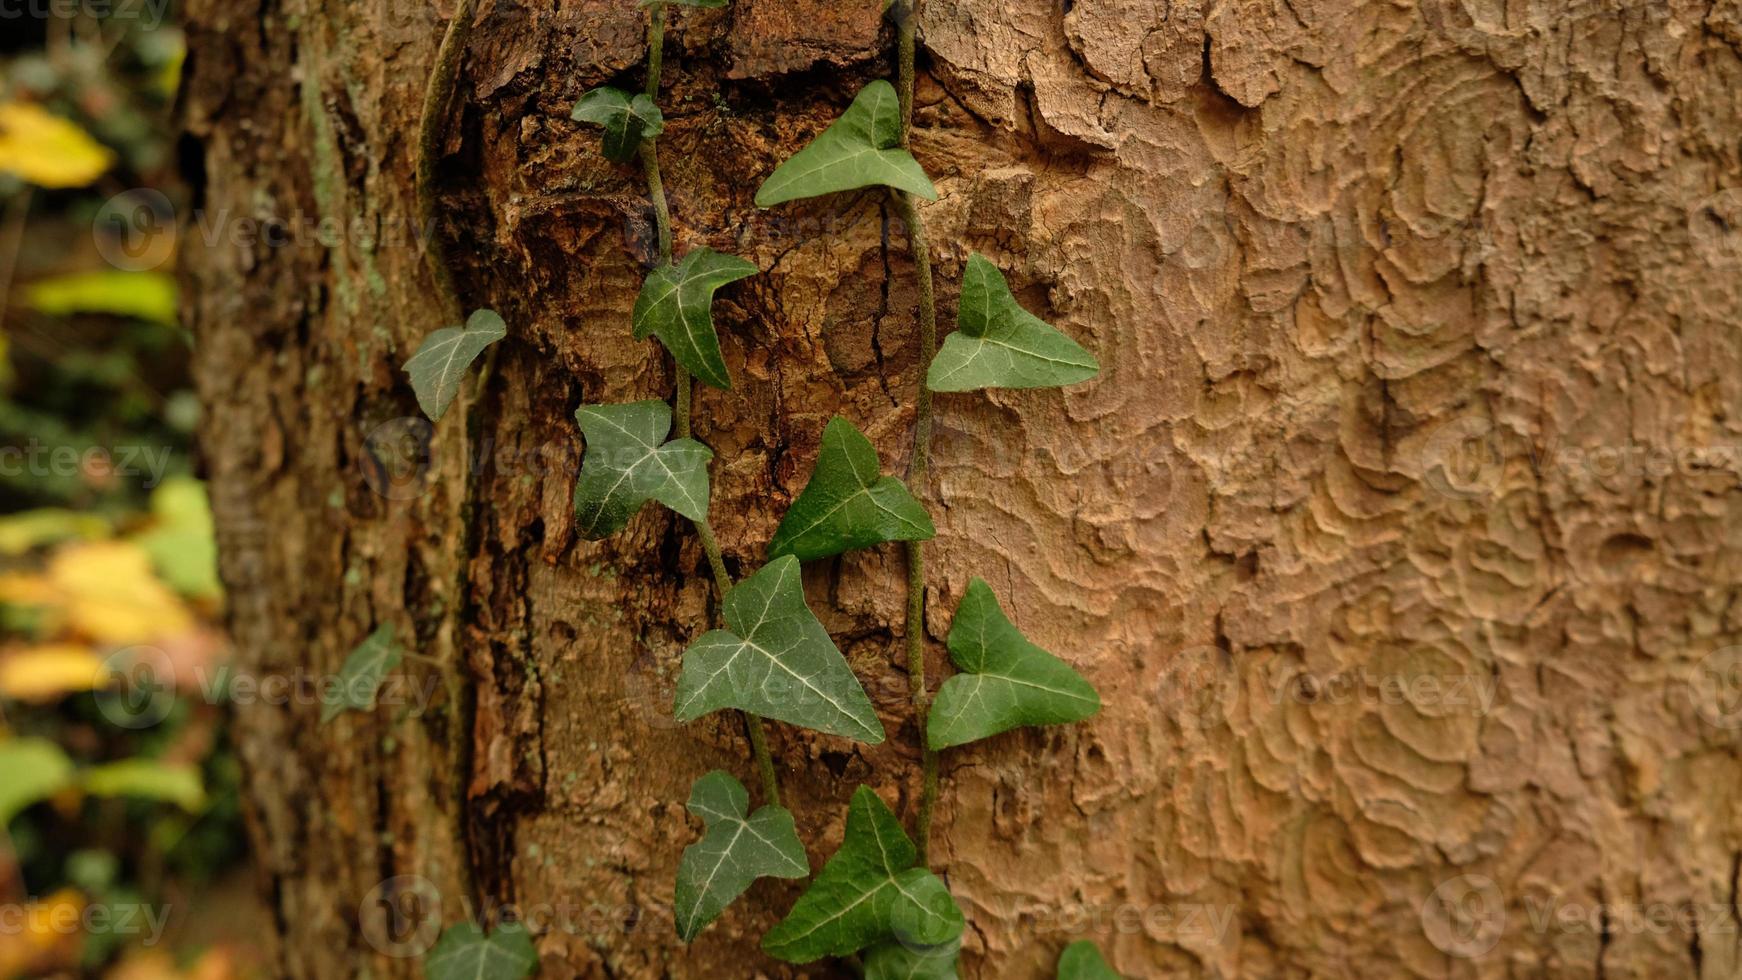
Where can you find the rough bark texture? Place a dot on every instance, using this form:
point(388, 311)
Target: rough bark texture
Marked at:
point(1418, 332)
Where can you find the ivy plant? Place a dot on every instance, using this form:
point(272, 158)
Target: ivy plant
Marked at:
point(676, 305)
point(627, 120)
point(467, 952)
point(363, 671)
point(1082, 960)
point(870, 890)
point(737, 848)
point(1006, 682)
point(998, 344)
point(775, 660)
point(863, 148)
point(848, 503)
point(629, 462)
point(440, 363)
point(771, 657)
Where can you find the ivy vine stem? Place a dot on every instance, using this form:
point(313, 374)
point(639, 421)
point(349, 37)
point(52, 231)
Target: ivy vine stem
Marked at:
point(684, 385)
point(436, 98)
point(906, 15)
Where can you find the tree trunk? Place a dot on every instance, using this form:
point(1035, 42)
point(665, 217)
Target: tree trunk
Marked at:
point(1399, 531)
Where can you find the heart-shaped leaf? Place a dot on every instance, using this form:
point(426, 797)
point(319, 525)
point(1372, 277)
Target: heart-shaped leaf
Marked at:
point(627, 119)
point(360, 678)
point(848, 503)
point(464, 952)
point(776, 661)
point(628, 463)
point(862, 149)
point(896, 961)
point(442, 359)
point(998, 344)
point(868, 891)
point(1009, 681)
point(734, 852)
point(676, 305)
point(1082, 960)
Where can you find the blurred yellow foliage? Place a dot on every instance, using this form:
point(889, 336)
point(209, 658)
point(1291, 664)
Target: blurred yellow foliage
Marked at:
point(110, 594)
point(47, 672)
point(47, 938)
point(47, 150)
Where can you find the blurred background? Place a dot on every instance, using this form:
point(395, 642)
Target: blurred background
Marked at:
point(122, 854)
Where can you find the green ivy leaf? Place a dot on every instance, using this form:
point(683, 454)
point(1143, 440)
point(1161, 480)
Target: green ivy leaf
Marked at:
point(868, 891)
point(896, 961)
point(862, 149)
point(361, 676)
point(998, 344)
point(734, 852)
point(464, 952)
point(441, 361)
point(1009, 681)
point(777, 661)
point(627, 463)
point(676, 305)
point(627, 119)
point(848, 503)
point(1082, 960)
point(35, 769)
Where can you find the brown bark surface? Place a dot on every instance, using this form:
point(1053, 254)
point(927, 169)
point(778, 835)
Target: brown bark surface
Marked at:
point(1399, 531)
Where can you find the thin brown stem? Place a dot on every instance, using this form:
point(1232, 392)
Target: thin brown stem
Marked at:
point(436, 99)
point(11, 241)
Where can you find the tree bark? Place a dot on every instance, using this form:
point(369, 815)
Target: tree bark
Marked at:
point(1399, 531)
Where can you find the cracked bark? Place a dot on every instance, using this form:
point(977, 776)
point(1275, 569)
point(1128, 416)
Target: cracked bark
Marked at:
point(1384, 293)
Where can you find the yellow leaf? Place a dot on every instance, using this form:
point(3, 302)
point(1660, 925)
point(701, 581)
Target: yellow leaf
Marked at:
point(47, 939)
point(111, 595)
point(50, 671)
point(27, 589)
point(28, 529)
point(47, 150)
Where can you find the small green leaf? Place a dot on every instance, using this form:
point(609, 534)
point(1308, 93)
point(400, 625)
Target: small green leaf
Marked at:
point(147, 779)
point(465, 953)
point(998, 344)
point(896, 961)
point(676, 305)
point(777, 661)
point(848, 503)
point(1082, 960)
point(627, 119)
point(734, 852)
point(862, 149)
point(1009, 681)
point(441, 361)
point(361, 676)
point(627, 463)
point(868, 891)
point(35, 769)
